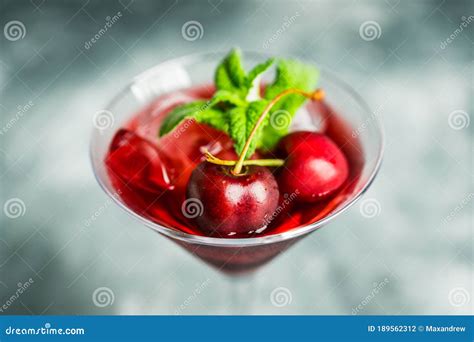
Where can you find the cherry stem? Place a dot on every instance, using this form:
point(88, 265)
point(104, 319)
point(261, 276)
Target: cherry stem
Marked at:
point(259, 162)
point(316, 95)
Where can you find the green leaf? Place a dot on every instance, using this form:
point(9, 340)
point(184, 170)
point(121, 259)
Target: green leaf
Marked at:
point(236, 104)
point(230, 74)
point(214, 118)
point(259, 69)
point(253, 79)
point(241, 122)
point(200, 111)
point(290, 74)
point(226, 97)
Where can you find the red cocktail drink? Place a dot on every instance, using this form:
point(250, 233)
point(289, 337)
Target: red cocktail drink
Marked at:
point(151, 175)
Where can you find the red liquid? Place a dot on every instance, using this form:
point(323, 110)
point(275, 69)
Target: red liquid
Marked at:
point(151, 174)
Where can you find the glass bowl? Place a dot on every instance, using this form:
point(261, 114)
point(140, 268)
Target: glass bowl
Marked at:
point(233, 255)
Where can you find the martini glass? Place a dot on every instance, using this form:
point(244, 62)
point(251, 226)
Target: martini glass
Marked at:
point(358, 130)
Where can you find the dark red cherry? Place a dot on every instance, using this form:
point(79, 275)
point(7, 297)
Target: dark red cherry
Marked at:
point(314, 166)
point(226, 205)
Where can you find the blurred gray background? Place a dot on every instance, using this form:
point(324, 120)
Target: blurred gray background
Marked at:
point(414, 256)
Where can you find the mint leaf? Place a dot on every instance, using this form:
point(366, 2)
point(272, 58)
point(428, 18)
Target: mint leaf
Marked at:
point(230, 74)
point(214, 118)
point(203, 112)
point(200, 111)
point(292, 74)
point(241, 122)
point(226, 97)
point(289, 74)
point(253, 80)
point(237, 105)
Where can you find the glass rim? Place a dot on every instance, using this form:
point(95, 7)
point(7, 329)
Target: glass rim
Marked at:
point(240, 242)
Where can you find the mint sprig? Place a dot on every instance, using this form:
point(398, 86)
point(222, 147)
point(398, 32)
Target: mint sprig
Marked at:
point(290, 74)
point(237, 102)
point(241, 122)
